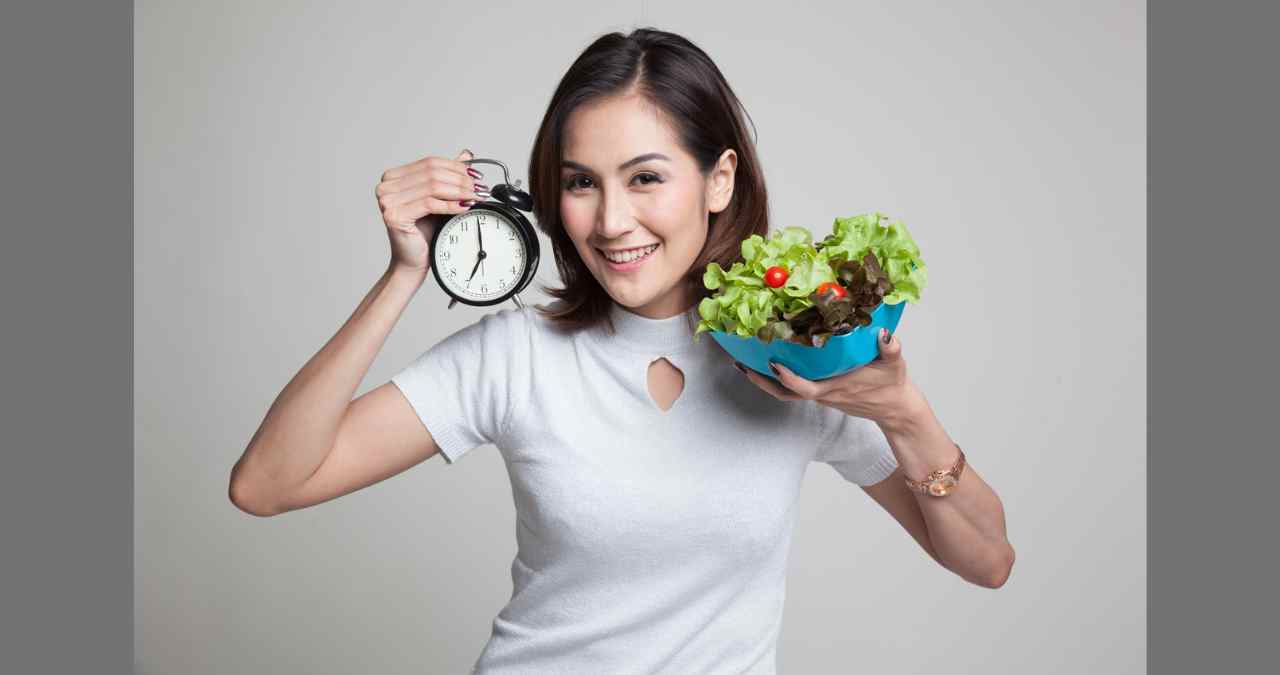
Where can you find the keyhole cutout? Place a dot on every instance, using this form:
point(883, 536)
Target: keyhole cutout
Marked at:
point(666, 383)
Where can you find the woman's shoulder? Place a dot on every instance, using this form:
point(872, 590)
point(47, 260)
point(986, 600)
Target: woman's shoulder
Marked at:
point(537, 319)
point(528, 324)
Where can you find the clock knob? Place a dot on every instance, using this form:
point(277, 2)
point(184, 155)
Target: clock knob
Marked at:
point(512, 196)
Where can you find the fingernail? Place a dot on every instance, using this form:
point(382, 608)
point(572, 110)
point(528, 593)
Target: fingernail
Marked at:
point(481, 187)
point(884, 335)
point(468, 202)
point(774, 368)
point(474, 174)
point(467, 151)
point(739, 367)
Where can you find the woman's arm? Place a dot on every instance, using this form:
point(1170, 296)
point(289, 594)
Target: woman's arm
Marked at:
point(302, 425)
point(315, 442)
point(963, 530)
point(966, 528)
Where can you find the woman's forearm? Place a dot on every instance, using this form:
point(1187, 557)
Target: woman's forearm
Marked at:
point(966, 527)
point(300, 426)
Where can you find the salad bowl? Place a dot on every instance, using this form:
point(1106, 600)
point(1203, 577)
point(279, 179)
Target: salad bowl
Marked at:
point(817, 308)
point(840, 354)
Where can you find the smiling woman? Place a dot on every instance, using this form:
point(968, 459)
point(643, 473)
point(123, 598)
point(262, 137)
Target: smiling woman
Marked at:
point(639, 229)
point(643, 173)
point(655, 489)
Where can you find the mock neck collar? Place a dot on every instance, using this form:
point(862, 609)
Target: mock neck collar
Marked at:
point(667, 335)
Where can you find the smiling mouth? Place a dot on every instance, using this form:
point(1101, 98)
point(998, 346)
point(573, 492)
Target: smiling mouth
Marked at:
point(632, 257)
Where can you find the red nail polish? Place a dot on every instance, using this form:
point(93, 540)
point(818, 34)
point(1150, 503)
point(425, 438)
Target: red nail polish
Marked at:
point(468, 202)
point(474, 174)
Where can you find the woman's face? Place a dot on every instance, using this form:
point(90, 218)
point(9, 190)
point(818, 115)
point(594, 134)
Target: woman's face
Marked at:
point(609, 202)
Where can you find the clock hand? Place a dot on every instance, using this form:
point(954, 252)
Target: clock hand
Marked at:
point(480, 237)
point(479, 259)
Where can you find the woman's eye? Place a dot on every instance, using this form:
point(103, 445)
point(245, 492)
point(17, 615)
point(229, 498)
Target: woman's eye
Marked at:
point(649, 179)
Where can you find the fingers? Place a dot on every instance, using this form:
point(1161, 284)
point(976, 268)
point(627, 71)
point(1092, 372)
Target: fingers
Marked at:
point(429, 185)
point(772, 388)
point(436, 205)
point(405, 215)
point(408, 195)
point(463, 166)
point(806, 389)
point(889, 351)
point(428, 163)
point(421, 208)
point(442, 190)
point(425, 177)
point(400, 171)
point(792, 387)
point(431, 165)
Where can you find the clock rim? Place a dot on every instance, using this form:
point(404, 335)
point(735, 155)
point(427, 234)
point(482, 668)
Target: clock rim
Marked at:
point(525, 230)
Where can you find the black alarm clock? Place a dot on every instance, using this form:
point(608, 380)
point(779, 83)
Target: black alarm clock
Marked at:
point(488, 253)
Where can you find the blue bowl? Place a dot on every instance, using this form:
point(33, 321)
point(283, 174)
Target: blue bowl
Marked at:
point(840, 354)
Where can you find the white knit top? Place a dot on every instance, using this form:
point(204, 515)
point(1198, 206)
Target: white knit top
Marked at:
point(648, 541)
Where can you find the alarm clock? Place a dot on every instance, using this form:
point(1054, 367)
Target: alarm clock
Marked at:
point(488, 253)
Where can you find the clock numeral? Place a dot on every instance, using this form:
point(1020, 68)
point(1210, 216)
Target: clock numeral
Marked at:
point(453, 238)
point(444, 255)
point(484, 288)
point(513, 269)
point(511, 236)
point(464, 225)
point(453, 271)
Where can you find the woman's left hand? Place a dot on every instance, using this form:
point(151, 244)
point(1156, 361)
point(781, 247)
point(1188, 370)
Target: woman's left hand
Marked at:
point(880, 391)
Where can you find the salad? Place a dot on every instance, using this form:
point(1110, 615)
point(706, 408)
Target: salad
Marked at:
point(788, 287)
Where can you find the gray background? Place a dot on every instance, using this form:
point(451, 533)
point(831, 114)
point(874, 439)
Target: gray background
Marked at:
point(1011, 140)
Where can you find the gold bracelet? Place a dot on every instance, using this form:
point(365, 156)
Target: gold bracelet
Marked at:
point(939, 483)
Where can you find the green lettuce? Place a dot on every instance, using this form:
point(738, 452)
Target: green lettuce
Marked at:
point(745, 306)
point(853, 237)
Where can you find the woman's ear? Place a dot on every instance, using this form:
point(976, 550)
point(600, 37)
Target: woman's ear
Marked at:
point(720, 182)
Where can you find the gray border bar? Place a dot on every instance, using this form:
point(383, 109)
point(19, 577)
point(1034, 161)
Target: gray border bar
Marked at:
point(66, 487)
point(1212, 442)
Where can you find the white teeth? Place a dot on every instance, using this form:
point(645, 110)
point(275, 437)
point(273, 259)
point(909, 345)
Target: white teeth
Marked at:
point(630, 255)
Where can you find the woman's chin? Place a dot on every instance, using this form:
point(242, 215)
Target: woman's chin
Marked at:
point(630, 298)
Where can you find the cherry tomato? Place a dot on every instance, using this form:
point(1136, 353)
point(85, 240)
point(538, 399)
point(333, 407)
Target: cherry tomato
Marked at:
point(775, 276)
point(834, 287)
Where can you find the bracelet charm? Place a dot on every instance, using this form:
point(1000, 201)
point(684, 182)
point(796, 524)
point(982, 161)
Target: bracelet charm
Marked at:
point(939, 483)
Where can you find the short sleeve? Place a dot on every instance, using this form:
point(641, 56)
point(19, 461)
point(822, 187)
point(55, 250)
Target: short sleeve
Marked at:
point(465, 386)
point(854, 446)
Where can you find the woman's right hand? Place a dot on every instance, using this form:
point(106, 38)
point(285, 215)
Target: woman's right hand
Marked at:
point(411, 197)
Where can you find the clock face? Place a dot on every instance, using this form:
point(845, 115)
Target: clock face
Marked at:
point(460, 265)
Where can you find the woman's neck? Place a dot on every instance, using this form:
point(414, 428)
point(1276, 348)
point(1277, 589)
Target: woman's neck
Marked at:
point(661, 308)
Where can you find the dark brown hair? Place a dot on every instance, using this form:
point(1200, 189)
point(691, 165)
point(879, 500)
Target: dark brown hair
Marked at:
point(679, 79)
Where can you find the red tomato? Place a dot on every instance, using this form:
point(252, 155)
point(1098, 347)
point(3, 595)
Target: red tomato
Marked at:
point(775, 276)
point(833, 287)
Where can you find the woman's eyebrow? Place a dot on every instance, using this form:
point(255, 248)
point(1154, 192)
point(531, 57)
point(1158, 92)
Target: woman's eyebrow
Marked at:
point(566, 164)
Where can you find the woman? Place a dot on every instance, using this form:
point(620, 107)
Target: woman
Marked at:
point(654, 492)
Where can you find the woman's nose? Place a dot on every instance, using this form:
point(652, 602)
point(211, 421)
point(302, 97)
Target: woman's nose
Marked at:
point(614, 219)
